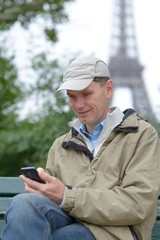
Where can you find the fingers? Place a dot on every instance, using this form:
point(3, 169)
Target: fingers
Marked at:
point(30, 184)
point(45, 176)
point(34, 186)
point(29, 189)
point(53, 189)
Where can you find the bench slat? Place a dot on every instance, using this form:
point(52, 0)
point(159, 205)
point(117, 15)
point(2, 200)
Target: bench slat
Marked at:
point(156, 231)
point(2, 225)
point(10, 186)
point(4, 203)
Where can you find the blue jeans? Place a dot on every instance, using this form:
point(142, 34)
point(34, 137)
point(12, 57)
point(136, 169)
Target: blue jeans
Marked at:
point(34, 217)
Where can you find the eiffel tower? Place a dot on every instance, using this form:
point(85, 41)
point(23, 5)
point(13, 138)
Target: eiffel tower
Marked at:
point(124, 65)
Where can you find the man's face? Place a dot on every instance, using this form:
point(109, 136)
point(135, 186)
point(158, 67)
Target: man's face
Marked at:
point(91, 104)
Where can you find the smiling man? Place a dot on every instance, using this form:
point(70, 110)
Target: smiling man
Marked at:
point(91, 105)
point(102, 177)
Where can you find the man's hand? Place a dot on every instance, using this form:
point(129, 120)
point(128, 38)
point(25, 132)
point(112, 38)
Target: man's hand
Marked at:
point(53, 189)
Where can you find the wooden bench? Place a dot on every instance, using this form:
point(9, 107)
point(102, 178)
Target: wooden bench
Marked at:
point(11, 186)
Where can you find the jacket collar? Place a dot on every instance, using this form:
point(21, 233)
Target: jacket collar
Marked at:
point(129, 122)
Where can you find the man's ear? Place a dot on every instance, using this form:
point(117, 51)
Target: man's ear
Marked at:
point(109, 88)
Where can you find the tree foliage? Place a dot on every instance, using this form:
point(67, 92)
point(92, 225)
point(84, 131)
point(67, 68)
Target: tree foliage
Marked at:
point(26, 11)
point(11, 91)
point(26, 142)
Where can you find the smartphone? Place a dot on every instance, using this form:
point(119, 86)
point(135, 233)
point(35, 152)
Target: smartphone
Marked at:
point(32, 173)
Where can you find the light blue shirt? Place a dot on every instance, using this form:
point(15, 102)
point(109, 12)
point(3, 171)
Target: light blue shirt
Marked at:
point(96, 132)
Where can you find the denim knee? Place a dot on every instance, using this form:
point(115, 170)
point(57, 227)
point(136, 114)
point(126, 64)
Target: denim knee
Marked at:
point(25, 220)
point(26, 204)
point(23, 200)
point(19, 206)
point(30, 209)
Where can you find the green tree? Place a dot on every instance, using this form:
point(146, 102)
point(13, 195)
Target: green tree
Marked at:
point(26, 142)
point(11, 91)
point(26, 11)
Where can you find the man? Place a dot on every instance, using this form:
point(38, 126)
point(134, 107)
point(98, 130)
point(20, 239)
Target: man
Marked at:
point(102, 178)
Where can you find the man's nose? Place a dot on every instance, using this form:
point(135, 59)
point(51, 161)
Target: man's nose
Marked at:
point(79, 103)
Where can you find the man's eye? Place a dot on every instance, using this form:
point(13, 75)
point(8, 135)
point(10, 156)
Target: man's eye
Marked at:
point(71, 96)
point(86, 94)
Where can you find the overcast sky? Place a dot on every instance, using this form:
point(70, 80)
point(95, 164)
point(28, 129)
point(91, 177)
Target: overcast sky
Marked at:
point(88, 32)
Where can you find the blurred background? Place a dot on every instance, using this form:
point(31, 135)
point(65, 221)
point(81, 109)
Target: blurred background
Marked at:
point(38, 39)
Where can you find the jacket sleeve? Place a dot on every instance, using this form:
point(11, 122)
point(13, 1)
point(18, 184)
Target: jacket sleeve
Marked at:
point(131, 201)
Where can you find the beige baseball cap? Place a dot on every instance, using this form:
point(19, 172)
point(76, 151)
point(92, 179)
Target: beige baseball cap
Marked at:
point(81, 72)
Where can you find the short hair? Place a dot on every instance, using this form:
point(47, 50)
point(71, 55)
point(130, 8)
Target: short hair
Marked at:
point(101, 80)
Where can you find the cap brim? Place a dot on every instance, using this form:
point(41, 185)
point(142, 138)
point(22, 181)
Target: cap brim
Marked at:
point(75, 84)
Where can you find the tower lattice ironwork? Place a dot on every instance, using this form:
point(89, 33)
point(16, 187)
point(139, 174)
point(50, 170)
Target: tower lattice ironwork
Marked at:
point(125, 68)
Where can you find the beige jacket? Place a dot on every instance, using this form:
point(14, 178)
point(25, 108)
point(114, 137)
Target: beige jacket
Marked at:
point(115, 194)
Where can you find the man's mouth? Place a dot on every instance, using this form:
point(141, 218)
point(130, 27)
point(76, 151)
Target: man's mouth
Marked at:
point(83, 113)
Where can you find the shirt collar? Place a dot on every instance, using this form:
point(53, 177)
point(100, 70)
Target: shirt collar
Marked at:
point(98, 127)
